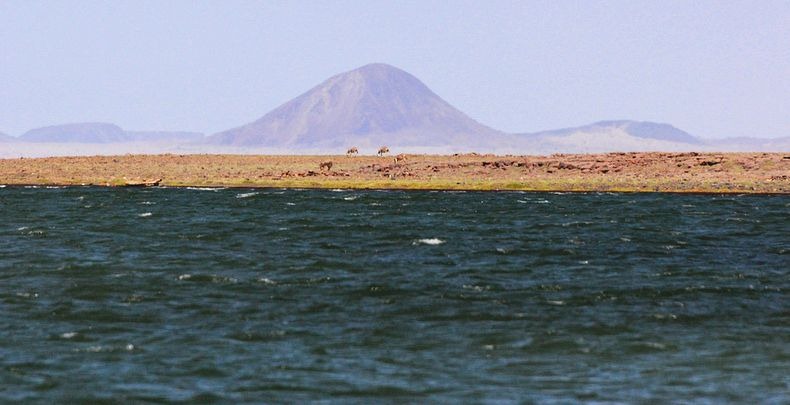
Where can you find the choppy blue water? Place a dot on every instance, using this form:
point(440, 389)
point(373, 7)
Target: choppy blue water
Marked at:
point(357, 296)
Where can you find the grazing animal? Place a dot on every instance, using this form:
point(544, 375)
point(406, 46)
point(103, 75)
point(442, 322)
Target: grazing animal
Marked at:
point(352, 151)
point(400, 158)
point(325, 165)
point(383, 150)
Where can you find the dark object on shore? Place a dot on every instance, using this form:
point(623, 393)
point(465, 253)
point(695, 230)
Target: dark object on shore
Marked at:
point(325, 165)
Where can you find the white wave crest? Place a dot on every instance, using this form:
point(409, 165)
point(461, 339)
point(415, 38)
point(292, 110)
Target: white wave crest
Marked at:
point(541, 201)
point(145, 214)
point(429, 241)
point(247, 195)
point(206, 188)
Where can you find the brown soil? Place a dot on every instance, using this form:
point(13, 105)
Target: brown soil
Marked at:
point(666, 172)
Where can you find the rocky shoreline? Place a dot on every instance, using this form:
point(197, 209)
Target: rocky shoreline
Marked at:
point(612, 172)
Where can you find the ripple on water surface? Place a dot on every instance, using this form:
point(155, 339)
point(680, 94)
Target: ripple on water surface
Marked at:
point(199, 295)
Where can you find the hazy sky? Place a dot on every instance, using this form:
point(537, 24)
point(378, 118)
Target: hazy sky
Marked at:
point(713, 68)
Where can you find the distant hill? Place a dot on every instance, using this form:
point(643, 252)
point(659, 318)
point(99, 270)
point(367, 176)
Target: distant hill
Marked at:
point(374, 105)
point(635, 136)
point(379, 104)
point(89, 132)
point(639, 129)
point(103, 133)
point(611, 136)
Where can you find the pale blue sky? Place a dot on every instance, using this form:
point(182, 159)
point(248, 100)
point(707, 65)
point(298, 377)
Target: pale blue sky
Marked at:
point(713, 68)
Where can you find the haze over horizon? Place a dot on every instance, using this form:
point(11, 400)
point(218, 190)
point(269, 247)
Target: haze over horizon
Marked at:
point(715, 70)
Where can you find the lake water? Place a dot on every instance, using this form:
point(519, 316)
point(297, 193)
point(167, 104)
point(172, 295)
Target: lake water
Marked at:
point(241, 295)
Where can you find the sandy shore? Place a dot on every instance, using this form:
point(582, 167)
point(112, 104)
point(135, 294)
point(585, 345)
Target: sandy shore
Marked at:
point(619, 172)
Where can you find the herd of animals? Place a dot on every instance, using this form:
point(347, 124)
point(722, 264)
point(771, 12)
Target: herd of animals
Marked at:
point(355, 151)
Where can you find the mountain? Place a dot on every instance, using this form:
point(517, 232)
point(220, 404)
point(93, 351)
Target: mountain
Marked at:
point(639, 129)
point(636, 136)
point(97, 132)
point(374, 105)
point(6, 138)
point(611, 136)
point(89, 132)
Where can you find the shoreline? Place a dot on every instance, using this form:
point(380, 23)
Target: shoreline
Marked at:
point(638, 172)
point(439, 190)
